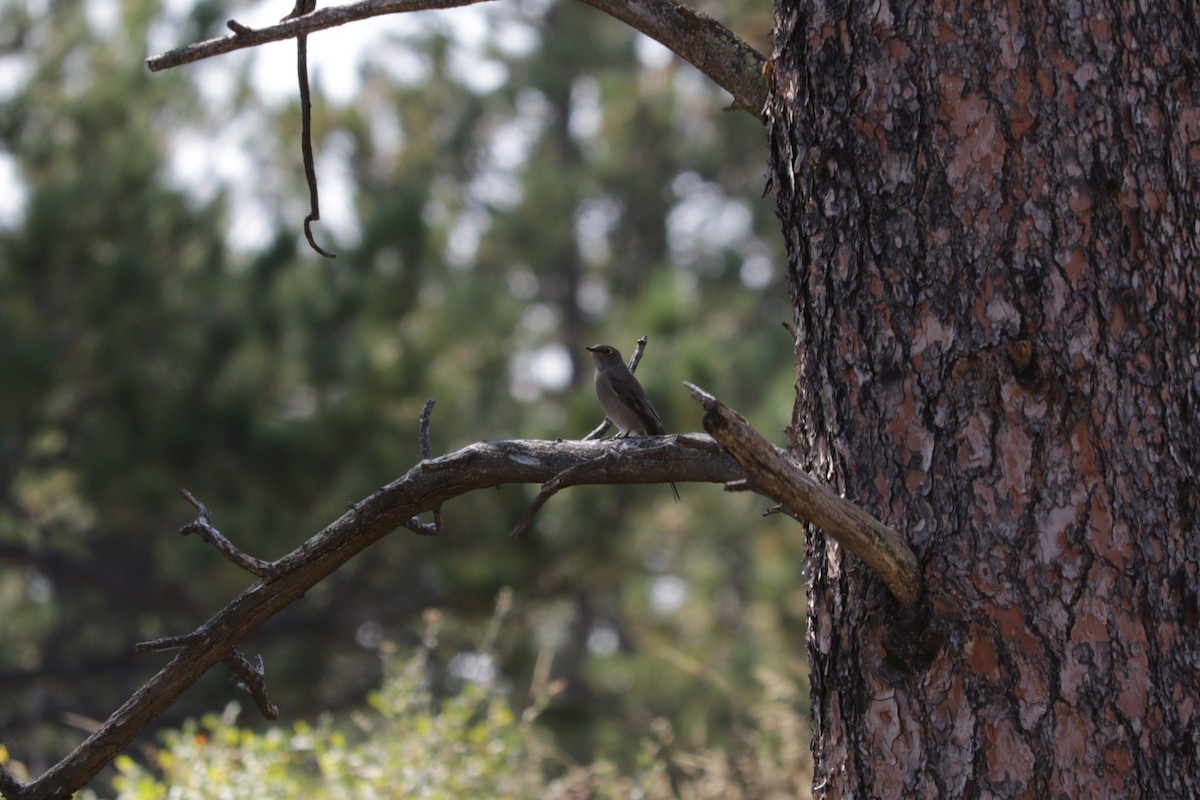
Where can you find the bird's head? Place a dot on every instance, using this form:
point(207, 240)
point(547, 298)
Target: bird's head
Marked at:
point(605, 354)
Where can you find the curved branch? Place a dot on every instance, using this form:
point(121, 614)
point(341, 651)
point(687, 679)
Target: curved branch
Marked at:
point(431, 483)
point(695, 37)
point(202, 526)
point(425, 487)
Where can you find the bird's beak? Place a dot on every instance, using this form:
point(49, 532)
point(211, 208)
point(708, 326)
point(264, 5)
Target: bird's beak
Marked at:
point(592, 348)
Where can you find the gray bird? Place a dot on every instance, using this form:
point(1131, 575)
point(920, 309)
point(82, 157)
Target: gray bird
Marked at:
point(623, 399)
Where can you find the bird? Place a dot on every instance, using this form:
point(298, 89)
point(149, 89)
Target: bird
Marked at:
point(623, 399)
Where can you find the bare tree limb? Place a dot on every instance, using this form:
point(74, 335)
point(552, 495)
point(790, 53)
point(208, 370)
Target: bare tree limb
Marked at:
point(773, 473)
point(425, 487)
point(319, 20)
point(694, 36)
point(736, 455)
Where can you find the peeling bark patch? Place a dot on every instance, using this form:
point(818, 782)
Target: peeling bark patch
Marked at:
point(978, 153)
point(975, 443)
point(981, 655)
point(1052, 539)
point(1016, 453)
point(884, 723)
point(1009, 759)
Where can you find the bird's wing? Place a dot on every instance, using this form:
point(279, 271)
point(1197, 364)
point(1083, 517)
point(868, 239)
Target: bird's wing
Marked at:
point(634, 397)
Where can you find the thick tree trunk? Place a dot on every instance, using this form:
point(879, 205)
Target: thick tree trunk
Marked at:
point(993, 221)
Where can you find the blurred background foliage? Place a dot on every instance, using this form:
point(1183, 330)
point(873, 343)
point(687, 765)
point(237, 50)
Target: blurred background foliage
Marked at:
point(504, 185)
point(411, 741)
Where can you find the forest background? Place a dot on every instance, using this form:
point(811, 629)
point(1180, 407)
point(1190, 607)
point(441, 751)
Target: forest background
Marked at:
point(506, 184)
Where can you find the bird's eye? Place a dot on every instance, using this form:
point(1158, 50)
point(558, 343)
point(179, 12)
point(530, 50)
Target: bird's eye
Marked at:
point(608, 351)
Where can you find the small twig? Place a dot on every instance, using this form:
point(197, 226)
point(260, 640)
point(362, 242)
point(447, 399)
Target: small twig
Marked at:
point(238, 28)
point(552, 487)
point(202, 526)
point(426, 528)
point(252, 681)
point(314, 215)
point(785, 511)
point(415, 525)
point(166, 643)
point(545, 494)
point(426, 450)
point(306, 147)
point(599, 431)
point(638, 352)
point(636, 359)
point(205, 514)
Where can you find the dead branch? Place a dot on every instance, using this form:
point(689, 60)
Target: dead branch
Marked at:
point(202, 526)
point(426, 528)
point(306, 137)
point(772, 472)
point(425, 487)
point(736, 455)
point(415, 525)
point(320, 20)
point(552, 487)
point(423, 435)
point(695, 37)
point(251, 679)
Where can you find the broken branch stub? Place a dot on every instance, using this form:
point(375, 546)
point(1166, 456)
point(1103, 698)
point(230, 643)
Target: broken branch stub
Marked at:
point(775, 474)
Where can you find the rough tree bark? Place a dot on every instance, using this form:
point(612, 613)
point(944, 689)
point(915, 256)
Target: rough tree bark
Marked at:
point(994, 238)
